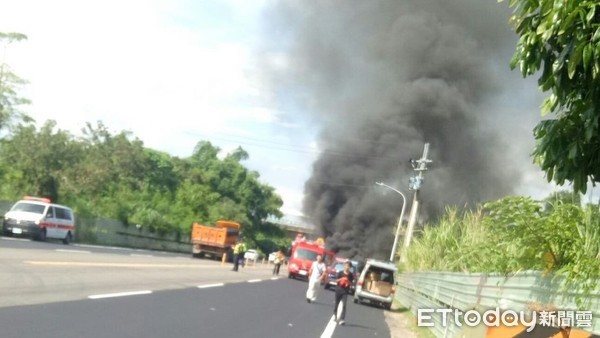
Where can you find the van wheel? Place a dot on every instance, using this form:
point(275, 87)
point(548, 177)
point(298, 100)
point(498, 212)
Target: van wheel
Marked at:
point(42, 235)
point(67, 238)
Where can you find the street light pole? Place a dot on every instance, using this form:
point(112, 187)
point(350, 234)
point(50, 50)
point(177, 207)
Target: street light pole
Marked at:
point(394, 247)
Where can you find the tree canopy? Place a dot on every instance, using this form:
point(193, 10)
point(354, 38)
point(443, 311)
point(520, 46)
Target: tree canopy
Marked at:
point(115, 176)
point(562, 40)
point(10, 83)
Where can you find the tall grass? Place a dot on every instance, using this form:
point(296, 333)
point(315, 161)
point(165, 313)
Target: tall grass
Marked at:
point(510, 235)
point(589, 231)
point(453, 244)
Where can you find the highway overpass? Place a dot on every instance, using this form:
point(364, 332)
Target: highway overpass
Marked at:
point(295, 224)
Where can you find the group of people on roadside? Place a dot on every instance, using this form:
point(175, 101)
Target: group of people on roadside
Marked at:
point(316, 275)
point(344, 280)
point(239, 249)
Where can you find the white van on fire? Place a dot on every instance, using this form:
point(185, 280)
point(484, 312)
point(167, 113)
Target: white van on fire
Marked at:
point(39, 218)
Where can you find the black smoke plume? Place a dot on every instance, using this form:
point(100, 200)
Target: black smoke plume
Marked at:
point(380, 79)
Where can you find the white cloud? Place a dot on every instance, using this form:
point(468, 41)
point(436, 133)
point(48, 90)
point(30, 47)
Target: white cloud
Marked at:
point(292, 201)
point(125, 64)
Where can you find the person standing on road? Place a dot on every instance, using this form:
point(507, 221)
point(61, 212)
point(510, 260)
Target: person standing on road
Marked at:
point(279, 258)
point(345, 278)
point(238, 253)
point(315, 275)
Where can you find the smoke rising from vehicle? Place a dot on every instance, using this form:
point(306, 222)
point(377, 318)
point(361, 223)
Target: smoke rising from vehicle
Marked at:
point(381, 78)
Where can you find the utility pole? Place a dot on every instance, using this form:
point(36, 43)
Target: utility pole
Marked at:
point(415, 183)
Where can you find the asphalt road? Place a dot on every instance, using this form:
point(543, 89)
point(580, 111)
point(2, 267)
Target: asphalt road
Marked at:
point(52, 290)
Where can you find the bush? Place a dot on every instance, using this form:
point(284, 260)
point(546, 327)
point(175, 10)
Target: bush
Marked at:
point(514, 234)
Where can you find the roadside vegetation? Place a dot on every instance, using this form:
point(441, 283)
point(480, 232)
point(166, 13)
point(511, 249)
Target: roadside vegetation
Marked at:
point(557, 236)
point(113, 175)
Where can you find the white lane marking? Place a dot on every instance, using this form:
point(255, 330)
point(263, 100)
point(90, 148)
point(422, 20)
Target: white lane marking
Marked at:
point(255, 280)
point(16, 239)
point(73, 251)
point(329, 329)
point(101, 247)
point(210, 285)
point(274, 278)
point(118, 265)
point(340, 309)
point(138, 255)
point(120, 294)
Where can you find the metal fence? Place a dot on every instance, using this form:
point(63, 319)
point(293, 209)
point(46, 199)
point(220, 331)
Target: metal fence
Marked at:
point(524, 291)
point(104, 231)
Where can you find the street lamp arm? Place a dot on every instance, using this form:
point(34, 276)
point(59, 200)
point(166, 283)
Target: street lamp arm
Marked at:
point(392, 188)
point(394, 247)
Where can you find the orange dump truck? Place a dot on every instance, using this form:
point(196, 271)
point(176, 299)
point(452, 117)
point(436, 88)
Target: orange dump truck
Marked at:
point(215, 240)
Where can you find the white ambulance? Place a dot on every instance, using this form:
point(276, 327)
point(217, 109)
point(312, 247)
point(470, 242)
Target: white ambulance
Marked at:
point(39, 218)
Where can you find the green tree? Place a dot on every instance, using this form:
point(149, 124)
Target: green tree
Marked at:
point(160, 170)
point(111, 174)
point(237, 192)
point(35, 162)
point(115, 176)
point(9, 85)
point(562, 39)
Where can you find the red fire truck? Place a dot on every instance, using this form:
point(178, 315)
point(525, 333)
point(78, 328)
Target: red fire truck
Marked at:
point(303, 254)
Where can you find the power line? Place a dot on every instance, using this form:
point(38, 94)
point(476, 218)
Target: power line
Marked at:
point(362, 186)
point(294, 148)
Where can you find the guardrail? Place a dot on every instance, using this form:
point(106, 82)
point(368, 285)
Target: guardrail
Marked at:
point(104, 231)
point(525, 291)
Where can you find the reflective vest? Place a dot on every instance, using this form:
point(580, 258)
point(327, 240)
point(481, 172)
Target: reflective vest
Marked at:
point(240, 247)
